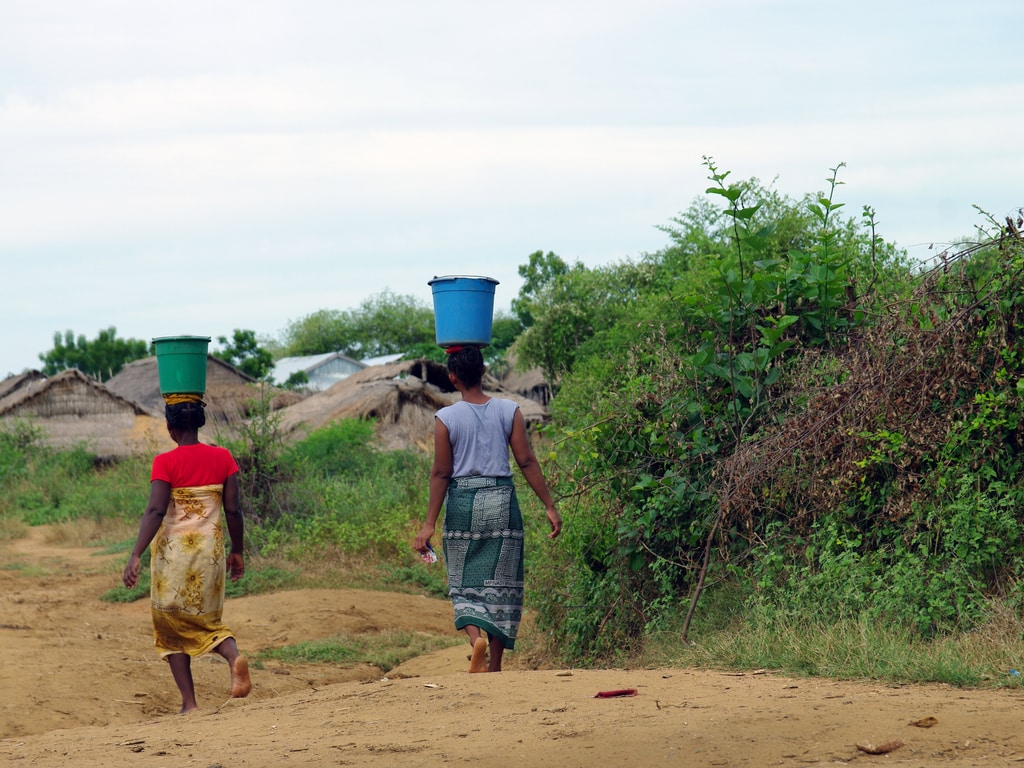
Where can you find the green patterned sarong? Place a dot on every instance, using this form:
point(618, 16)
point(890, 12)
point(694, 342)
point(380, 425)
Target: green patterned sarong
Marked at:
point(483, 549)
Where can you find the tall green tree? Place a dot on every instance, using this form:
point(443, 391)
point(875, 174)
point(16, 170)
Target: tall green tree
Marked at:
point(571, 313)
point(315, 334)
point(505, 328)
point(389, 323)
point(539, 272)
point(245, 353)
point(384, 324)
point(102, 357)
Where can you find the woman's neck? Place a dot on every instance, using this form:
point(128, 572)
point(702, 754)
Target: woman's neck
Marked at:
point(187, 438)
point(474, 395)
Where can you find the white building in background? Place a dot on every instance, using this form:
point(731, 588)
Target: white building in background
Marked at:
point(383, 359)
point(323, 371)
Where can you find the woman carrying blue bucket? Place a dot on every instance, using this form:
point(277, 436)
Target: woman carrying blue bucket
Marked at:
point(483, 528)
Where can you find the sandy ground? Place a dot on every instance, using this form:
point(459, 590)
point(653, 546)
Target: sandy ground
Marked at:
point(81, 686)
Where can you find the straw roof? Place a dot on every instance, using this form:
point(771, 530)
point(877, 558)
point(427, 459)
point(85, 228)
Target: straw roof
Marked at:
point(72, 408)
point(13, 383)
point(402, 396)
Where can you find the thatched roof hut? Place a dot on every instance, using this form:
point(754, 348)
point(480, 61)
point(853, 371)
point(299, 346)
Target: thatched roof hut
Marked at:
point(13, 383)
point(402, 396)
point(72, 408)
point(229, 391)
point(530, 384)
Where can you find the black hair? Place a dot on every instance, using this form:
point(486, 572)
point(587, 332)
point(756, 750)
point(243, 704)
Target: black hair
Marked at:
point(185, 416)
point(468, 365)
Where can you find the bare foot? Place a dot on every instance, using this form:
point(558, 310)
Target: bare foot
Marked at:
point(240, 682)
point(478, 662)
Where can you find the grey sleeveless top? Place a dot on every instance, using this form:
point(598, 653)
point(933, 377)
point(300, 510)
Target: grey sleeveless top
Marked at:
point(479, 436)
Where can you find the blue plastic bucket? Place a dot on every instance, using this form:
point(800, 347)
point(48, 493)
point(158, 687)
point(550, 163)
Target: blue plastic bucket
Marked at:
point(463, 309)
point(181, 364)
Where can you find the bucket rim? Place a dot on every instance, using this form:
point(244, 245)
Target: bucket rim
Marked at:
point(443, 278)
point(180, 338)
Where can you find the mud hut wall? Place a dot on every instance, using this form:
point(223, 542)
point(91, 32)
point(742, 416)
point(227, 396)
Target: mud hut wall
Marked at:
point(70, 429)
point(106, 435)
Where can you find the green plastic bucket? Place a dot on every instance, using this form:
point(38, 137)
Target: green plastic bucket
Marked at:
point(181, 363)
point(463, 309)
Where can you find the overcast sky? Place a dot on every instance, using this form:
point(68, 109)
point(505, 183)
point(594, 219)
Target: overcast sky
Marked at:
point(196, 167)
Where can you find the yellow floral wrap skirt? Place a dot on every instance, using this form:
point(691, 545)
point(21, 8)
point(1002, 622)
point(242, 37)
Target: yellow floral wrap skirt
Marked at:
point(188, 570)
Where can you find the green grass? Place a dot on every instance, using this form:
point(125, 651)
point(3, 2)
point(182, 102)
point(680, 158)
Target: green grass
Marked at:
point(417, 578)
point(385, 650)
point(854, 650)
point(259, 581)
point(43, 486)
point(31, 570)
point(122, 594)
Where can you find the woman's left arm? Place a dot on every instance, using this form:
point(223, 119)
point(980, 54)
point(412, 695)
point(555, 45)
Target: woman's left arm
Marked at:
point(236, 526)
point(519, 441)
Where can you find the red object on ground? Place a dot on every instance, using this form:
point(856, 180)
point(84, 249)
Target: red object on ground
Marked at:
point(616, 694)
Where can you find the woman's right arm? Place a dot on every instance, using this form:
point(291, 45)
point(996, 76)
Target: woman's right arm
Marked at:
point(152, 519)
point(440, 474)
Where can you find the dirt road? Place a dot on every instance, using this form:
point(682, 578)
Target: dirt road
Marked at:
point(81, 685)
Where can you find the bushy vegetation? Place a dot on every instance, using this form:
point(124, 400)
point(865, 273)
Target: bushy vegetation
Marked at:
point(41, 485)
point(333, 491)
point(787, 422)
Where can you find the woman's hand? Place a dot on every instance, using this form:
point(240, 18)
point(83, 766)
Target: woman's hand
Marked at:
point(422, 540)
point(130, 576)
point(236, 566)
point(555, 521)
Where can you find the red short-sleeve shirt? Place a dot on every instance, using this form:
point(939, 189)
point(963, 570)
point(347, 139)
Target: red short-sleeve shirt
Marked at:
point(191, 465)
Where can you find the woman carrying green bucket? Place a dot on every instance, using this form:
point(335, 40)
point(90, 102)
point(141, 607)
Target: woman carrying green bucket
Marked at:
point(188, 488)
